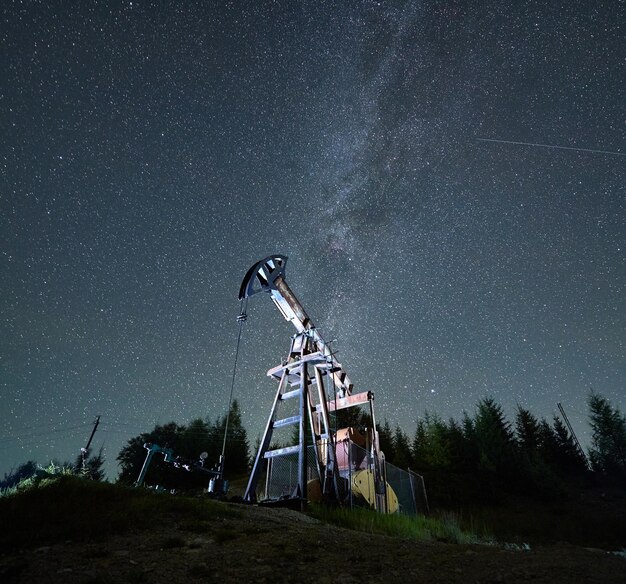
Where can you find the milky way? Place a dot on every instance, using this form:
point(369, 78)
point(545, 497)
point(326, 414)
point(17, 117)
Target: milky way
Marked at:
point(152, 153)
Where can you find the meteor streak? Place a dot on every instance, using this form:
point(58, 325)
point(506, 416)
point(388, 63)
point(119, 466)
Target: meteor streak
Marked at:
point(613, 153)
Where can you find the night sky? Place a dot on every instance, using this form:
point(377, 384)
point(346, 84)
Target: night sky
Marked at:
point(151, 152)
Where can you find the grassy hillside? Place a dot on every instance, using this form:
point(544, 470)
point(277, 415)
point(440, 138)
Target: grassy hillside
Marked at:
point(70, 507)
point(71, 530)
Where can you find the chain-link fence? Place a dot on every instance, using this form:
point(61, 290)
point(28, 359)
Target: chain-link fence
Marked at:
point(402, 491)
point(281, 477)
point(409, 489)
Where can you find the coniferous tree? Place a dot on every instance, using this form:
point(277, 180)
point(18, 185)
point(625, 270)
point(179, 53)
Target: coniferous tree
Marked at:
point(186, 444)
point(458, 448)
point(237, 452)
point(23, 471)
point(531, 464)
point(132, 456)
point(418, 446)
point(537, 473)
point(569, 459)
point(608, 439)
point(436, 451)
point(471, 451)
point(527, 430)
point(446, 454)
point(196, 438)
point(548, 443)
point(351, 418)
point(402, 449)
point(385, 439)
point(495, 439)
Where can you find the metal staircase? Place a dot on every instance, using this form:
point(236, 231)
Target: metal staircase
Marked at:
point(301, 378)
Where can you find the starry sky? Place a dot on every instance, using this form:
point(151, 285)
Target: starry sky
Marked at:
point(151, 152)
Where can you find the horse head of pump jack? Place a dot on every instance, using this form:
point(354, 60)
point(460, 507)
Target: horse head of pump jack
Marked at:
point(268, 275)
point(261, 277)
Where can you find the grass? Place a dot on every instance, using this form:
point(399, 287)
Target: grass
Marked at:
point(445, 528)
point(579, 522)
point(74, 508)
point(588, 519)
point(587, 511)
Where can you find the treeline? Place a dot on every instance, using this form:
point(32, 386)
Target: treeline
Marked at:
point(479, 458)
point(187, 442)
point(485, 456)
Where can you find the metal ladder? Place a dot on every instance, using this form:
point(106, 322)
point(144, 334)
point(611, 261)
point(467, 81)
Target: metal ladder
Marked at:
point(300, 377)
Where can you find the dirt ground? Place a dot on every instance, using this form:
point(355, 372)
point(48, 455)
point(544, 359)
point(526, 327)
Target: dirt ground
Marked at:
point(262, 544)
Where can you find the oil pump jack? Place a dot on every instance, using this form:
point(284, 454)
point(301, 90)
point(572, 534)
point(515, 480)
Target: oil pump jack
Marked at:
point(313, 376)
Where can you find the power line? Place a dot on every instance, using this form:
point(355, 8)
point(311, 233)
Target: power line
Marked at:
point(40, 442)
point(18, 437)
point(52, 428)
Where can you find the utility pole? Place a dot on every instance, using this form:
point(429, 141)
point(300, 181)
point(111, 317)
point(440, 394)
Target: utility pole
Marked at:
point(85, 450)
point(95, 427)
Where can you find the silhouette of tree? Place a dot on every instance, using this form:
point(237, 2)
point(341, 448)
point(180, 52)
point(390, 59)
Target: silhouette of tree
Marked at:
point(385, 438)
point(418, 444)
point(569, 459)
point(495, 439)
point(470, 458)
point(527, 430)
point(23, 471)
point(402, 449)
point(608, 439)
point(237, 453)
point(432, 446)
point(132, 456)
point(187, 443)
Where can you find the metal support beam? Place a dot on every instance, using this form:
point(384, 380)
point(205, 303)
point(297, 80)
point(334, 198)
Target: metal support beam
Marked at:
point(250, 494)
point(311, 362)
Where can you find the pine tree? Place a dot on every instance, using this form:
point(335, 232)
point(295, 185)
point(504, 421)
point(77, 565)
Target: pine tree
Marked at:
point(495, 439)
point(353, 417)
point(23, 471)
point(237, 453)
point(608, 440)
point(436, 448)
point(418, 446)
point(548, 443)
point(569, 459)
point(458, 447)
point(385, 440)
point(132, 456)
point(527, 430)
point(402, 449)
